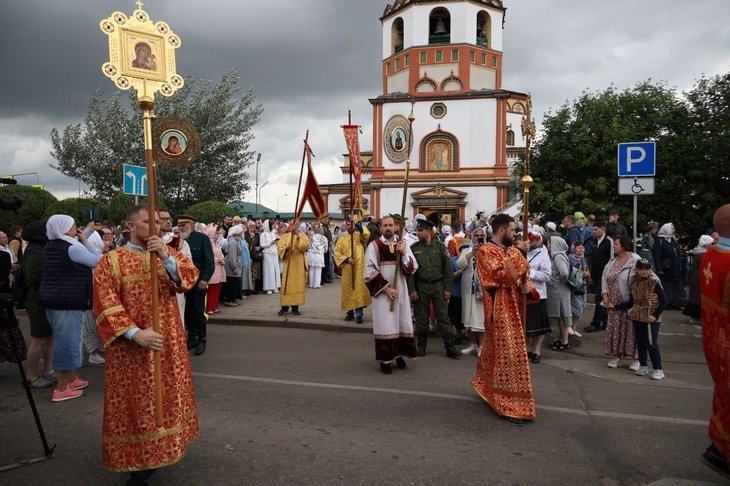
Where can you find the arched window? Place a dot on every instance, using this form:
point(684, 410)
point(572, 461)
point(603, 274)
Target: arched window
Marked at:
point(484, 29)
point(510, 137)
point(439, 26)
point(439, 152)
point(396, 35)
point(426, 85)
point(452, 83)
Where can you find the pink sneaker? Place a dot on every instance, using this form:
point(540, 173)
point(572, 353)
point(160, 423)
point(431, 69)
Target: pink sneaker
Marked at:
point(67, 394)
point(78, 384)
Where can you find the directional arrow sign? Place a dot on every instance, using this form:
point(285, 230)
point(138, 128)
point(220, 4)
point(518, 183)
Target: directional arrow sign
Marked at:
point(134, 180)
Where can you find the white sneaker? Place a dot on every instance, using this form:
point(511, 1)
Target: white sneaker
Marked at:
point(469, 349)
point(657, 375)
point(269, 292)
point(635, 366)
point(642, 371)
point(571, 332)
point(614, 363)
point(577, 334)
point(479, 350)
point(96, 359)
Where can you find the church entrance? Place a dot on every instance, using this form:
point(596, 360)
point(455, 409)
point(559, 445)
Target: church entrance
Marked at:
point(448, 203)
point(445, 215)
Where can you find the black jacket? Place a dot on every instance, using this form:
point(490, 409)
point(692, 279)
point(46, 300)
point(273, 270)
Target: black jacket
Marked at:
point(65, 284)
point(202, 252)
point(599, 258)
point(614, 230)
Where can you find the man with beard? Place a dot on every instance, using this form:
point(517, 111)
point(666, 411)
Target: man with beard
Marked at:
point(393, 329)
point(292, 249)
point(432, 286)
point(179, 245)
point(350, 258)
point(503, 374)
point(202, 256)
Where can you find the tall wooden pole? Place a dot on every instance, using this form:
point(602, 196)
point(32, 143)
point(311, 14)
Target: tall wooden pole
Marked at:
point(411, 119)
point(296, 210)
point(352, 211)
point(528, 131)
point(147, 104)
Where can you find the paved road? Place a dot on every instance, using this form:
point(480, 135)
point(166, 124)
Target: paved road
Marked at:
point(292, 406)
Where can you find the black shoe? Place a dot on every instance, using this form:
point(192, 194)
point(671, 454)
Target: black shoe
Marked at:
point(192, 343)
point(350, 317)
point(535, 358)
point(716, 460)
point(386, 369)
point(200, 348)
point(514, 421)
point(530, 354)
point(421, 351)
point(284, 311)
point(401, 363)
point(591, 328)
point(452, 353)
point(359, 319)
point(296, 312)
point(603, 326)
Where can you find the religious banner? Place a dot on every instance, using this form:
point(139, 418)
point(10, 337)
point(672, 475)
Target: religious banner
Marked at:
point(353, 147)
point(176, 142)
point(311, 194)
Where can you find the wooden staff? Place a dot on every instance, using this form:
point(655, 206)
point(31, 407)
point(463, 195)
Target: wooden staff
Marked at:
point(296, 212)
point(147, 104)
point(411, 118)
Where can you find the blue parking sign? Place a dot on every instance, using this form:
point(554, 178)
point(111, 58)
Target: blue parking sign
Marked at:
point(637, 159)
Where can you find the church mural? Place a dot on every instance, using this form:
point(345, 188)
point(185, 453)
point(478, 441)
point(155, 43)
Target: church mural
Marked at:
point(439, 153)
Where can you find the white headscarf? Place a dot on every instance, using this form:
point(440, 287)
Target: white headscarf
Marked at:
point(267, 226)
point(95, 244)
point(667, 231)
point(235, 230)
point(303, 228)
point(57, 227)
point(446, 229)
point(706, 240)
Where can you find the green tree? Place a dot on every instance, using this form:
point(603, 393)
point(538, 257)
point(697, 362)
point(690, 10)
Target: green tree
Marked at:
point(34, 204)
point(209, 211)
point(121, 203)
point(76, 208)
point(110, 136)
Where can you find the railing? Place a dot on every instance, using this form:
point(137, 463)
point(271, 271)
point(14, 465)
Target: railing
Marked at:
point(397, 48)
point(439, 39)
point(482, 41)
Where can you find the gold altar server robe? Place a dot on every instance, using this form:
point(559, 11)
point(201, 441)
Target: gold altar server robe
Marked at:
point(294, 279)
point(130, 439)
point(360, 295)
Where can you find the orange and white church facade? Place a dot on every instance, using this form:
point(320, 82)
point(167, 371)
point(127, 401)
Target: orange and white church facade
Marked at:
point(447, 57)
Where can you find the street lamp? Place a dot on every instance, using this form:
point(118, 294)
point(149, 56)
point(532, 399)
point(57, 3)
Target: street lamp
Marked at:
point(257, 200)
point(277, 201)
point(258, 159)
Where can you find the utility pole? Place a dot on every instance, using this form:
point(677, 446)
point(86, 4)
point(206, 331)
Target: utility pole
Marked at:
point(257, 182)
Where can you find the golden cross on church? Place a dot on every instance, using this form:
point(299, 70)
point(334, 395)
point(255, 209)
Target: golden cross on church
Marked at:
point(708, 273)
point(139, 4)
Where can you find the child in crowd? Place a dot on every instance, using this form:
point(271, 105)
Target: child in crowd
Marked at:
point(647, 301)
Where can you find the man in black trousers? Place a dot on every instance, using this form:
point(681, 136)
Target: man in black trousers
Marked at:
point(602, 253)
point(202, 252)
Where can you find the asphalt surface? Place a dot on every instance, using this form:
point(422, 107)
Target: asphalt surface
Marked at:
point(297, 406)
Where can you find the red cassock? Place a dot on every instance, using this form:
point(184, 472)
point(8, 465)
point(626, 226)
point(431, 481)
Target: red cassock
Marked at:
point(715, 288)
point(130, 439)
point(503, 373)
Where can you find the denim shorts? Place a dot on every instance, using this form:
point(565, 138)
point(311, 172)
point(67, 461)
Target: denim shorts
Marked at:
point(68, 326)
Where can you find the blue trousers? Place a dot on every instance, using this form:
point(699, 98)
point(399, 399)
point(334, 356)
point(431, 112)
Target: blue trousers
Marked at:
point(643, 345)
point(357, 312)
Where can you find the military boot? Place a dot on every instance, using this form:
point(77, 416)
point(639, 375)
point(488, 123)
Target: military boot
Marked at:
point(422, 339)
point(451, 351)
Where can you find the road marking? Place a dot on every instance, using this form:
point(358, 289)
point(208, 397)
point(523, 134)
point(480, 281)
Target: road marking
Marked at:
point(447, 396)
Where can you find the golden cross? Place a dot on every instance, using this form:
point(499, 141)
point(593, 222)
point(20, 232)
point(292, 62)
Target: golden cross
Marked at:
point(139, 4)
point(708, 273)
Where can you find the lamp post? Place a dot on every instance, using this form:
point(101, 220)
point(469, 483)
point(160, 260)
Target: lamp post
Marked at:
point(258, 159)
point(277, 201)
point(258, 196)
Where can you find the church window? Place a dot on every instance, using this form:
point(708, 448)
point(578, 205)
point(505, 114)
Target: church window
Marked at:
point(396, 35)
point(484, 59)
point(438, 110)
point(455, 55)
point(510, 137)
point(452, 83)
point(471, 56)
point(439, 26)
point(484, 27)
point(407, 60)
point(439, 56)
point(397, 64)
point(423, 57)
point(387, 68)
point(439, 152)
point(425, 85)
point(494, 61)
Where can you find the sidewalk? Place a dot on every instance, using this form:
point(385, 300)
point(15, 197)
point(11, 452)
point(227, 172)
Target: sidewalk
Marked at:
point(320, 312)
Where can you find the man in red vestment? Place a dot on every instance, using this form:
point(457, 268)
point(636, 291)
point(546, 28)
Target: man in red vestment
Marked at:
point(715, 290)
point(131, 441)
point(503, 374)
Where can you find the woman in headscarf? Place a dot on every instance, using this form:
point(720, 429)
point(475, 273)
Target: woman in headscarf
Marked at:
point(693, 309)
point(219, 274)
point(252, 259)
point(66, 294)
point(578, 296)
point(538, 322)
point(668, 263)
point(558, 292)
point(472, 303)
point(269, 240)
point(97, 242)
point(315, 256)
point(232, 265)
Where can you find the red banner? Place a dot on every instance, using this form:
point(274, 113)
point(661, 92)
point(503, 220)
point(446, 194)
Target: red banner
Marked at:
point(312, 194)
point(353, 147)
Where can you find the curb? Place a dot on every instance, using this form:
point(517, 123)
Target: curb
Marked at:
point(287, 323)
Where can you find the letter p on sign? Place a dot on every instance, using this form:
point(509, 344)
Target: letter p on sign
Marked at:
point(637, 159)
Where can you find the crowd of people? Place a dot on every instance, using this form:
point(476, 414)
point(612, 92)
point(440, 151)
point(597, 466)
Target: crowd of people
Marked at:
point(481, 283)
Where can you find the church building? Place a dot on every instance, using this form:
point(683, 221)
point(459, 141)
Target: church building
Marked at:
point(446, 57)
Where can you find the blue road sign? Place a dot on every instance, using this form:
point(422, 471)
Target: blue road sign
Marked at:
point(134, 180)
point(637, 159)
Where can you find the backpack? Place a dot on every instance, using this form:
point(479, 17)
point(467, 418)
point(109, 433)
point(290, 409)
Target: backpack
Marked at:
point(576, 281)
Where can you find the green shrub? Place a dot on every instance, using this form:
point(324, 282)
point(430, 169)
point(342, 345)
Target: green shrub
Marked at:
point(35, 202)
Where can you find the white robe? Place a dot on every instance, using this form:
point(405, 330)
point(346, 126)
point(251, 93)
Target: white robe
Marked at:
point(270, 265)
point(472, 309)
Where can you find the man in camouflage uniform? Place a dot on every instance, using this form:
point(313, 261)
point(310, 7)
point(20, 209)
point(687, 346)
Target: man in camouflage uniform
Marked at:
point(431, 284)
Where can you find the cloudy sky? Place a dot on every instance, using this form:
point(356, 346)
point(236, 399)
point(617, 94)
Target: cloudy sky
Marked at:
point(310, 61)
